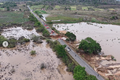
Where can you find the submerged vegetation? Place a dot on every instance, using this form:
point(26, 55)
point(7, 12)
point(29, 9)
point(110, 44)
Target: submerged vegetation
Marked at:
point(90, 46)
point(33, 52)
point(12, 42)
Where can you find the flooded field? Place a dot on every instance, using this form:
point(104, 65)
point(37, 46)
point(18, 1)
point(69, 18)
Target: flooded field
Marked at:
point(18, 64)
point(18, 32)
point(107, 35)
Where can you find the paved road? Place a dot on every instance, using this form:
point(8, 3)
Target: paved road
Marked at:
point(43, 23)
point(80, 61)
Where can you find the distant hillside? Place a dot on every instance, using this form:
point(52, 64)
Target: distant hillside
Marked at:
point(54, 2)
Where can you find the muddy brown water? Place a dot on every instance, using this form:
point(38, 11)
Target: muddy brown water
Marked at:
point(18, 32)
point(106, 34)
point(29, 67)
point(17, 63)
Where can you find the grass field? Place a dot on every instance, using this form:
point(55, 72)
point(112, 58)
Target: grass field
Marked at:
point(73, 7)
point(57, 7)
point(40, 12)
point(2, 9)
point(63, 19)
point(1, 3)
point(46, 7)
point(37, 7)
point(84, 8)
point(111, 9)
point(14, 17)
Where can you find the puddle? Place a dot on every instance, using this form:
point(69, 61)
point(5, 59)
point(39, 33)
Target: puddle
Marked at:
point(28, 67)
point(18, 32)
point(106, 34)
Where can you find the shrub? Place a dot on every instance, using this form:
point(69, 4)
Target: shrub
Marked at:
point(36, 39)
point(37, 24)
point(46, 33)
point(70, 36)
point(48, 41)
point(2, 39)
point(40, 29)
point(43, 66)
point(12, 42)
point(26, 40)
point(93, 20)
point(33, 52)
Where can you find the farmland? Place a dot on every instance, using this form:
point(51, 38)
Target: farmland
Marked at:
point(87, 13)
point(12, 17)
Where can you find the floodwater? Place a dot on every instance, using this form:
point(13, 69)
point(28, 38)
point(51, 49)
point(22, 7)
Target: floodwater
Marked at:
point(18, 64)
point(18, 32)
point(106, 34)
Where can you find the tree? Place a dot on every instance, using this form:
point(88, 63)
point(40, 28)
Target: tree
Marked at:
point(8, 9)
point(71, 36)
point(46, 33)
point(40, 16)
point(90, 46)
point(79, 73)
point(91, 77)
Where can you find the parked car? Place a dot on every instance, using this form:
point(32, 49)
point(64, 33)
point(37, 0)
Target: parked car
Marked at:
point(47, 27)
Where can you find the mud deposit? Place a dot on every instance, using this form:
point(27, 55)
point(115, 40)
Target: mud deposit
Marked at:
point(106, 34)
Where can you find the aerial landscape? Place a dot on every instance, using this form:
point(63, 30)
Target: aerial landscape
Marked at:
point(59, 39)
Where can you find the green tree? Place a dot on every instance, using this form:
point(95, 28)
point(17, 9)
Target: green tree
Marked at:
point(40, 16)
point(79, 73)
point(2, 39)
point(8, 9)
point(71, 36)
point(46, 33)
point(91, 77)
point(90, 46)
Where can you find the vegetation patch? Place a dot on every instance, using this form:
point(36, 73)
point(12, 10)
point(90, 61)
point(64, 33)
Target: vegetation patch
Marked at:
point(1, 3)
point(40, 27)
point(84, 8)
point(73, 7)
point(63, 19)
point(40, 12)
point(78, 71)
point(12, 17)
point(36, 39)
point(71, 36)
point(2, 9)
point(57, 7)
point(61, 53)
point(80, 74)
point(37, 7)
point(43, 66)
point(90, 46)
point(33, 52)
